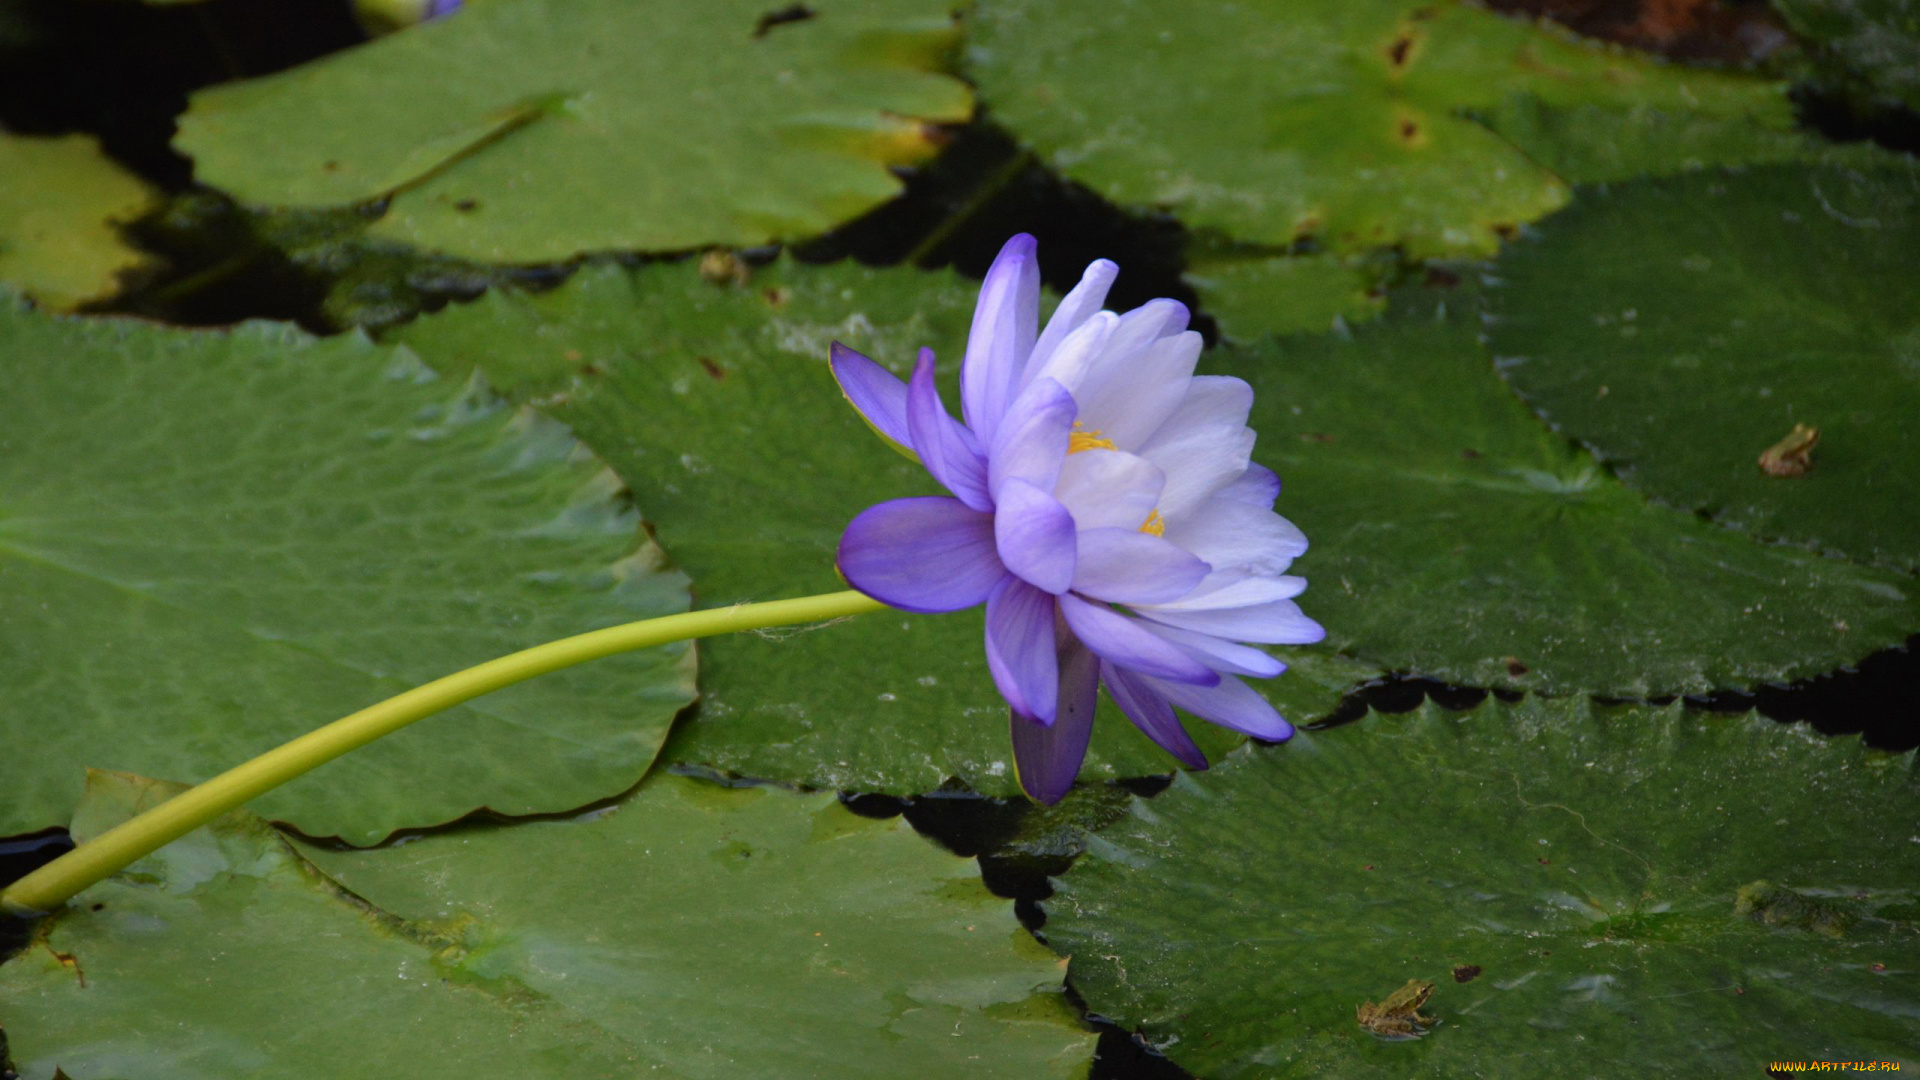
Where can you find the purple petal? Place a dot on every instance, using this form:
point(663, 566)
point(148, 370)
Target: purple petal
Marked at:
point(1075, 308)
point(1277, 623)
point(1127, 566)
point(927, 554)
point(1020, 649)
point(1005, 322)
point(941, 443)
point(1219, 654)
point(1035, 536)
point(1031, 444)
point(1048, 758)
point(878, 396)
point(1232, 704)
point(1151, 714)
point(1122, 641)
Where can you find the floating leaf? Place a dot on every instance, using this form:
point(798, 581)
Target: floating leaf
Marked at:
point(1681, 327)
point(533, 130)
point(692, 929)
point(1636, 889)
point(1455, 536)
point(715, 403)
point(60, 212)
point(1876, 42)
point(1253, 294)
point(211, 542)
point(1344, 121)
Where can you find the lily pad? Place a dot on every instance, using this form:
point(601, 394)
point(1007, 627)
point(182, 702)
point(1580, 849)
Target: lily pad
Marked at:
point(1874, 42)
point(60, 212)
point(1645, 891)
point(1455, 536)
point(716, 405)
point(533, 130)
point(1251, 294)
point(212, 542)
point(1680, 327)
point(1353, 123)
point(692, 929)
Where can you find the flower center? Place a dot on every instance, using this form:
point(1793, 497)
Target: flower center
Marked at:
point(1078, 440)
point(1155, 525)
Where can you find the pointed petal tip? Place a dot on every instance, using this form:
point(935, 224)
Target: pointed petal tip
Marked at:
point(1284, 733)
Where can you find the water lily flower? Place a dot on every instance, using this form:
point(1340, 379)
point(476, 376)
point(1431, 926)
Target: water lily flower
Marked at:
point(1104, 508)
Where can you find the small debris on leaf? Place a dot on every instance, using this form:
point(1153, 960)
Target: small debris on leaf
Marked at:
point(1791, 456)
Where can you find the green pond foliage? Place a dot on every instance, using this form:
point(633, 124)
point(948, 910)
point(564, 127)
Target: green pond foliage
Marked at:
point(331, 364)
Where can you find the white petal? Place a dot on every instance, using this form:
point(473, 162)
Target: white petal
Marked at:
point(1075, 308)
point(1106, 489)
point(1204, 445)
point(1218, 653)
point(1234, 535)
point(1232, 588)
point(1278, 623)
point(1130, 398)
point(1069, 363)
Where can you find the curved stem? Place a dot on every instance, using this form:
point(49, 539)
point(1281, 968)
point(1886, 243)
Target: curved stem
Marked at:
point(53, 884)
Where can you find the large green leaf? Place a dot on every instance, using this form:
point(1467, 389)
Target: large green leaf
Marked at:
point(60, 211)
point(532, 130)
point(1876, 42)
point(1455, 536)
point(211, 542)
point(1680, 327)
point(1618, 892)
point(1350, 125)
point(691, 931)
point(1344, 121)
point(716, 405)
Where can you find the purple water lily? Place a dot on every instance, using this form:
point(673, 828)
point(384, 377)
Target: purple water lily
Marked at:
point(1104, 509)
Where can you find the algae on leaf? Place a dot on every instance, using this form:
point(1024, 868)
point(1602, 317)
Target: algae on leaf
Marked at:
point(1455, 536)
point(212, 542)
point(691, 929)
point(1682, 326)
point(716, 405)
point(61, 207)
point(534, 130)
point(1643, 891)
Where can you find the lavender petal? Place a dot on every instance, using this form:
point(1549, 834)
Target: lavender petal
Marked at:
point(941, 443)
point(1035, 536)
point(926, 554)
point(1152, 715)
point(1048, 758)
point(1122, 641)
point(1020, 649)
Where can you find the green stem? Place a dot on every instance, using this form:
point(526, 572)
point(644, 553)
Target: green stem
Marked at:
point(53, 884)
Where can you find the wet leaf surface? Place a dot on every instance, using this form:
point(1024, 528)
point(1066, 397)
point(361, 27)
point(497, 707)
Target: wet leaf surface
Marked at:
point(211, 542)
point(1645, 890)
point(533, 130)
point(693, 930)
point(1683, 327)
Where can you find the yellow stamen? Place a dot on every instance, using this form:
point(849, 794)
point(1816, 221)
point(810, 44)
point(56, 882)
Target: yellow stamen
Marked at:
point(1155, 525)
point(1078, 440)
